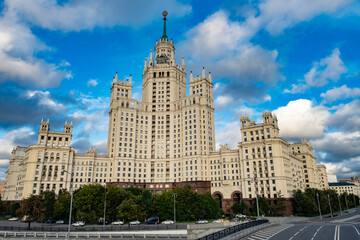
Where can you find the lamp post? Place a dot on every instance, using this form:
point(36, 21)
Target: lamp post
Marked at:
point(339, 203)
point(71, 202)
point(330, 205)
point(317, 196)
point(104, 209)
point(347, 207)
point(174, 195)
point(257, 201)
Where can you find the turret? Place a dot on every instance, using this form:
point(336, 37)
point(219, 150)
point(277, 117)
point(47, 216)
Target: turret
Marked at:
point(44, 126)
point(67, 127)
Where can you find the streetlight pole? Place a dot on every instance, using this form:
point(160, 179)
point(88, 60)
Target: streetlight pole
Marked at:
point(347, 207)
point(330, 205)
point(71, 202)
point(174, 195)
point(256, 194)
point(339, 203)
point(317, 196)
point(104, 209)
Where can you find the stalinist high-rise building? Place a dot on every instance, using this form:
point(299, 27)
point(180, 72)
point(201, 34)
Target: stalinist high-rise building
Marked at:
point(167, 138)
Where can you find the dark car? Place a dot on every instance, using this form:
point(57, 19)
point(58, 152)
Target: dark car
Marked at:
point(101, 222)
point(153, 220)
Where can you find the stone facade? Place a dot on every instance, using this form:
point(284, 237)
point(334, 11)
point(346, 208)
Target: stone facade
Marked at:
point(170, 138)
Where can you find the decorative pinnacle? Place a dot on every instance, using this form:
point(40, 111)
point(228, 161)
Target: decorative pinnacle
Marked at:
point(164, 37)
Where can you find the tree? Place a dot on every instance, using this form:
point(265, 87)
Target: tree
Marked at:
point(129, 210)
point(239, 208)
point(11, 210)
point(32, 209)
point(115, 196)
point(147, 202)
point(3, 207)
point(62, 205)
point(89, 203)
point(48, 199)
point(279, 204)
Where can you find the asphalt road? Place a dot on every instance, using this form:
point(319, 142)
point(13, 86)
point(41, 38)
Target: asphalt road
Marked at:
point(341, 227)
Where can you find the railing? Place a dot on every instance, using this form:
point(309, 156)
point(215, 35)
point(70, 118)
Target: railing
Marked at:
point(231, 230)
point(94, 228)
point(98, 235)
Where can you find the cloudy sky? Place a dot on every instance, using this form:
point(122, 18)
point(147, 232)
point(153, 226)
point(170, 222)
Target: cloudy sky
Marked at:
point(297, 58)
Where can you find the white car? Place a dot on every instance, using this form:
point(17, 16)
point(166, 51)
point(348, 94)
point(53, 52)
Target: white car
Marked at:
point(117, 223)
point(168, 222)
point(218, 221)
point(135, 222)
point(13, 219)
point(240, 215)
point(202, 221)
point(78, 224)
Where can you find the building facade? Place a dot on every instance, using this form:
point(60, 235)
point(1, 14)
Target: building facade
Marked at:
point(168, 137)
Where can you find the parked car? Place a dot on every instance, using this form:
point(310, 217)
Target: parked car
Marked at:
point(117, 223)
point(101, 222)
point(60, 222)
point(49, 221)
point(135, 222)
point(240, 215)
point(235, 220)
point(13, 219)
point(153, 220)
point(78, 224)
point(201, 221)
point(218, 221)
point(168, 222)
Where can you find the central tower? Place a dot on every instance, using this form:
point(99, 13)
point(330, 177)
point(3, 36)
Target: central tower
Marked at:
point(167, 127)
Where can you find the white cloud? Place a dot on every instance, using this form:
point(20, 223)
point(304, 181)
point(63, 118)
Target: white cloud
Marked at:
point(76, 15)
point(92, 83)
point(327, 69)
point(222, 101)
point(228, 133)
point(340, 93)
point(45, 100)
point(300, 119)
point(277, 15)
point(223, 46)
point(18, 45)
point(346, 116)
point(11, 140)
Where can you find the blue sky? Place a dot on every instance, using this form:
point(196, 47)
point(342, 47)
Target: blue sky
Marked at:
point(297, 58)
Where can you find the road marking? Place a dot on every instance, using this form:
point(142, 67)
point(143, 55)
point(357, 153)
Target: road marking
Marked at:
point(356, 230)
point(347, 219)
point(316, 232)
point(298, 232)
point(337, 233)
point(265, 235)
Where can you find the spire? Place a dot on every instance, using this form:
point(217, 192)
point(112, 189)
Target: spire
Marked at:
point(210, 79)
point(116, 77)
point(164, 37)
point(151, 60)
point(130, 79)
point(145, 64)
point(183, 61)
point(48, 120)
point(191, 77)
point(65, 122)
point(203, 72)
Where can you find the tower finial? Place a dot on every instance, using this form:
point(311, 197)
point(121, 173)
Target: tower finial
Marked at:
point(164, 37)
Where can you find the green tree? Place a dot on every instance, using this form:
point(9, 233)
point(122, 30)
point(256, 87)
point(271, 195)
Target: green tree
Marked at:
point(129, 210)
point(13, 207)
point(32, 209)
point(147, 202)
point(48, 199)
point(3, 207)
point(89, 203)
point(280, 206)
point(114, 197)
point(62, 205)
point(239, 207)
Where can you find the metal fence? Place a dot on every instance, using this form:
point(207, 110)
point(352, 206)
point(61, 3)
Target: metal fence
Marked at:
point(83, 235)
point(94, 228)
point(231, 230)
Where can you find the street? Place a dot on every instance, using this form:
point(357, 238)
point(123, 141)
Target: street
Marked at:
point(345, 227)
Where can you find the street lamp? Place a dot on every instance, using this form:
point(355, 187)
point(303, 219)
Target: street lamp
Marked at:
point(174, 195)
point(347, 207)
point(104, 209)
point(71, 202)
point(257, 201)
point(317, 196)
point(339, 203)
point(330, 205)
